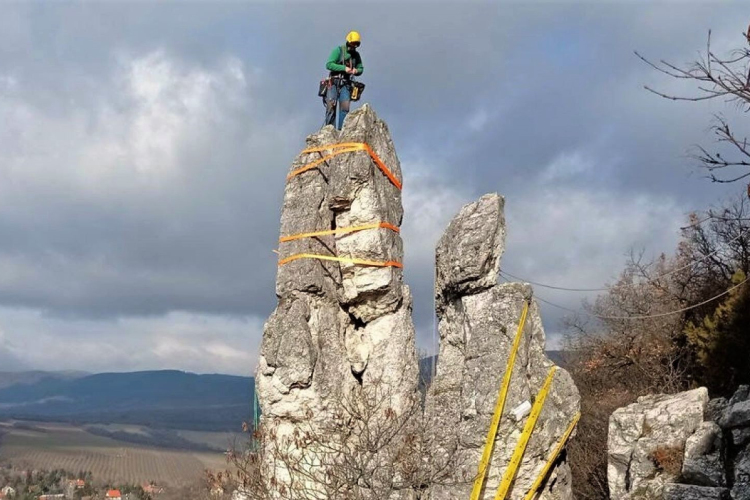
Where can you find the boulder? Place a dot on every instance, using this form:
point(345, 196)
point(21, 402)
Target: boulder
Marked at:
point(467, 258)
point(691, 492)
point(715, 409)
point(647, 440)
point(740, 436)
point(741, 479)
point(703, 460)
point(736, 415)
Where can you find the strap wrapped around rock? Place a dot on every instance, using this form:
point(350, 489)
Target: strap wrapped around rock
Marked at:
point(345, 147)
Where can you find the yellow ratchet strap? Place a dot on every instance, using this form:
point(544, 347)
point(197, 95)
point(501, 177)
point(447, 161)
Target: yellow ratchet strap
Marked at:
point(523, 440)
point(345, 147)
point(359, 262)
point(342, 230)
point(545, 470)
point(499, 406)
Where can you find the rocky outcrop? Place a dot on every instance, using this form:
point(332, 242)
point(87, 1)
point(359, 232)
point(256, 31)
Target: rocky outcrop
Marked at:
point(703, 461)
point(735, 420)
point(681, 446)
point(647, 442)
point(478, 319)
point(337, 374)
point(342, 331)
point(690, 492)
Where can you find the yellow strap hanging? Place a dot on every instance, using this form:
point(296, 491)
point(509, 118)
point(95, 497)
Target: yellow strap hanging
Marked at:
point(342, 230)
point(345, 147)
point(499, 406)
point(523, 440)
point(359, 262)
point(545, 470)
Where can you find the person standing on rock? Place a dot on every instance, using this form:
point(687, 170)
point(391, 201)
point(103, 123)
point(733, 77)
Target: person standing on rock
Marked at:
point(343, 63)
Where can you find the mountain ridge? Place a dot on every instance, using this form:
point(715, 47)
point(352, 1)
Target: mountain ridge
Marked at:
point(157, 398)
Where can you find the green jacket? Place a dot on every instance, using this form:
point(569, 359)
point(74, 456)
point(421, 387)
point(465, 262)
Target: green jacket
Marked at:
point(350, 57)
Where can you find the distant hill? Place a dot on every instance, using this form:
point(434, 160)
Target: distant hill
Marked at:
point(8, 379)
point(159, 399)
point(166, 399)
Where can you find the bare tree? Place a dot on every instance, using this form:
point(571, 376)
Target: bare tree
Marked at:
point(717, 77)
point(623, 349)
point(362, 450)
point(628, 346)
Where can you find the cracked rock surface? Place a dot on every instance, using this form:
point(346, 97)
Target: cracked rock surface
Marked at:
point(338, 326)
point(647, 441)
point(478, 319)
point(681, 446)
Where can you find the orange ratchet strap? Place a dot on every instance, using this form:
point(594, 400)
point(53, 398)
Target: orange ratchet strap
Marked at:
point(359, 262)
point(342, 230)
point(345, 147)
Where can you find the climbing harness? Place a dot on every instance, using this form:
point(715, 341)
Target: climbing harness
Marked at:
point(337, 149)
point(339, 81)
point(518, 452)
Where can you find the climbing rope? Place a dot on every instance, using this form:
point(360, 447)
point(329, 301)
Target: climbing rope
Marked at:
point(665, 275)
point(648, 316)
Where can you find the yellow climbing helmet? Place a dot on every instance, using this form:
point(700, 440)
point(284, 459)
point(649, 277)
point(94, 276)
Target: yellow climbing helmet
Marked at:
point(353, 37)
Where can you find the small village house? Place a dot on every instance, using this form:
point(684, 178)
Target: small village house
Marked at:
point(114, 495)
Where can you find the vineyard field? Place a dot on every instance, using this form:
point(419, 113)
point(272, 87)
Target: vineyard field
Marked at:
point(51, 446)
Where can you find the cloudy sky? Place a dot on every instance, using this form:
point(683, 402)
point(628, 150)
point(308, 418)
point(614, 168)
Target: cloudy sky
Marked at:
point(143, 151)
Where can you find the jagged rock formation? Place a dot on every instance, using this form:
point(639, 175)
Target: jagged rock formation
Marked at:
point(647, 441)
point(681, 446)
point(478, 319)
point(342, 333)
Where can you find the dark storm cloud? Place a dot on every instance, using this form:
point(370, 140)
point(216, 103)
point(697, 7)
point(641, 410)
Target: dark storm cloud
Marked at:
point(143, 149)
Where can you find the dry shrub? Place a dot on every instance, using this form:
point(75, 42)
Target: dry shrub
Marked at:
point(668, 459)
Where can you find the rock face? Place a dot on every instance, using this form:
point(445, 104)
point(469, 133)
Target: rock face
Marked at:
point(735, 421)
point(647, 442)
point(703, 461)
point(689, 492)
point(342, 331)
point(478, 319)
point(681, 446)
